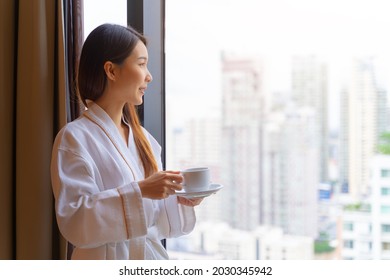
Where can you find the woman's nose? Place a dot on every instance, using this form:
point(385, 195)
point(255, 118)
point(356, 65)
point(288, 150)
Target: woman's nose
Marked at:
point(149, 77)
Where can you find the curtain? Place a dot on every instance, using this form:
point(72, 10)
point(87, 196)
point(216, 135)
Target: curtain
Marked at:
point(7, 69)
point(34, 90)
point(74, 38)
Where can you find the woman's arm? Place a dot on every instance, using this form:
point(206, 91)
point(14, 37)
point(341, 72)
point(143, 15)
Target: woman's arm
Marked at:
point(87, 216)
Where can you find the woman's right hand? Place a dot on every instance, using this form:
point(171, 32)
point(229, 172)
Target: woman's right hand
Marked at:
point(160, 185)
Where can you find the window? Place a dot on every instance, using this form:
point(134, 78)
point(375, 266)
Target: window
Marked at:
point(97, 12)
point(348, 244)
point(385, 191)
point(255, 106)
point(386, 228)
point(385, 209)
point(276, 107)
point(385, 173)
point(348, 226)
point(386, 246)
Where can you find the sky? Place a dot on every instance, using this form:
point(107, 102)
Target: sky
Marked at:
point(97, 12)
point(298, 26)
point(199, 31)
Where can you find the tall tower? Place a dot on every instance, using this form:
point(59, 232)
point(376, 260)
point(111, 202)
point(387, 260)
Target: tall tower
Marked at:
point(203, 138)
point(291, 172)
point(241, 149)
point(310, 89)
point(365, 119)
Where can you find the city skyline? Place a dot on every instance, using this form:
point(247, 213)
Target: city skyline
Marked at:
point(287, 154)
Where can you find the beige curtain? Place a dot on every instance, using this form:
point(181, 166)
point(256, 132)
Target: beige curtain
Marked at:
point(33, 94)
point(7, 68)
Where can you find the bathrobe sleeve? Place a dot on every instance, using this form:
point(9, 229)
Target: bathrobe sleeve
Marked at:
point(88, 216)
point(175, 219)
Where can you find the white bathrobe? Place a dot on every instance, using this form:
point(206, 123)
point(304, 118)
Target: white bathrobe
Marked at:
point(99, 206)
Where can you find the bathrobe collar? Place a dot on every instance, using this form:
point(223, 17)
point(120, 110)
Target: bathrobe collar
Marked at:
point(97, 115)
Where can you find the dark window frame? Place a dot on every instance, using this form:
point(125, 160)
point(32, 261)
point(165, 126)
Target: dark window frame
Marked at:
point(148, 17)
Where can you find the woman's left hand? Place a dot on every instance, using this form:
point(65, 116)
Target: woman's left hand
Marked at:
point(189, 202)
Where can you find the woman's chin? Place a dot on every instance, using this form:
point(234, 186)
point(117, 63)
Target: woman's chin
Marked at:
point(139, 102)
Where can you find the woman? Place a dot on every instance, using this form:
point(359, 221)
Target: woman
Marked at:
point(112, 202)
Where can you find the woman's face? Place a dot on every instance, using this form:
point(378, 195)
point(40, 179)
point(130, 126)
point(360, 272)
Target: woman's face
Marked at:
point(133, 76)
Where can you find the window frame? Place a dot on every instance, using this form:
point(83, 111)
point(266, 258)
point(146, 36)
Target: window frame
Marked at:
point(148, 17)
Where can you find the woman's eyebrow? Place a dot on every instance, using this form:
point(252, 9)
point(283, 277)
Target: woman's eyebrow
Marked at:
point(142, 57)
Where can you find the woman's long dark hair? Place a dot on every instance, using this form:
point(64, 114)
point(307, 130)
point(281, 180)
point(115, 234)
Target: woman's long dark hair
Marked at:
point(110, 42)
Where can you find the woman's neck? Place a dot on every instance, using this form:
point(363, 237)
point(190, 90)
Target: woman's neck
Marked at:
point(114, 110)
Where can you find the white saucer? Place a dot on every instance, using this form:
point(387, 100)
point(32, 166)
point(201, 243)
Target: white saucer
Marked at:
point(213, 188)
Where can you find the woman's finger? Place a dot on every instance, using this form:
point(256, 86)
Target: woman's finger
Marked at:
point(171, 171)
point(169, 191)
point(190, 202)
point(177, 178)
point(174, 181)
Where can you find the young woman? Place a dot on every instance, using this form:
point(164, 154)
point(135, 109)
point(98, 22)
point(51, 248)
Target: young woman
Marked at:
point(112, 202)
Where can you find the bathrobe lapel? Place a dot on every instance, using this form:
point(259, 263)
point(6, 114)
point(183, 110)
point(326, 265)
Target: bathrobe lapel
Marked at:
point(103, 120)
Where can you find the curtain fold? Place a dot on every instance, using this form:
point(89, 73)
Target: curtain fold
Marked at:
point(74, 37)
point(34, 128)
point(34, 97)
point(7, 86)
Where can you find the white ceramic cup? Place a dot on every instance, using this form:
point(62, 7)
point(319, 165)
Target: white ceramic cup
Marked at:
point(196, 179)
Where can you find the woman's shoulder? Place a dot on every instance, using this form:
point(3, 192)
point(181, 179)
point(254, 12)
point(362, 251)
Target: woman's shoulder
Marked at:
point(77, 125)
point(73, 132)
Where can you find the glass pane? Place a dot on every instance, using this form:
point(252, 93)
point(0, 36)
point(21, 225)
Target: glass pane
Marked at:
point(97, 12)
point(386, 246)
point(348, 244)
point(385, 228)
point(285, 102)
point(385, 209)
point(385, 191)
point(385, 173)
point(348, 226)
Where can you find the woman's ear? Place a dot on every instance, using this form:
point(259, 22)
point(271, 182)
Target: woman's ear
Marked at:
point(109, 69)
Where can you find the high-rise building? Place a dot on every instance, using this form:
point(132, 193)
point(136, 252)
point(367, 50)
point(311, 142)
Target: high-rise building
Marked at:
point(364, 118)
point(366, 225)
point(291, 177)
point(310, 89)
point(343, 147)
point(198, 144)
point(242, 102)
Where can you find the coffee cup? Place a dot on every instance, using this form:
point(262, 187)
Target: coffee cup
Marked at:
point(196, 179)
